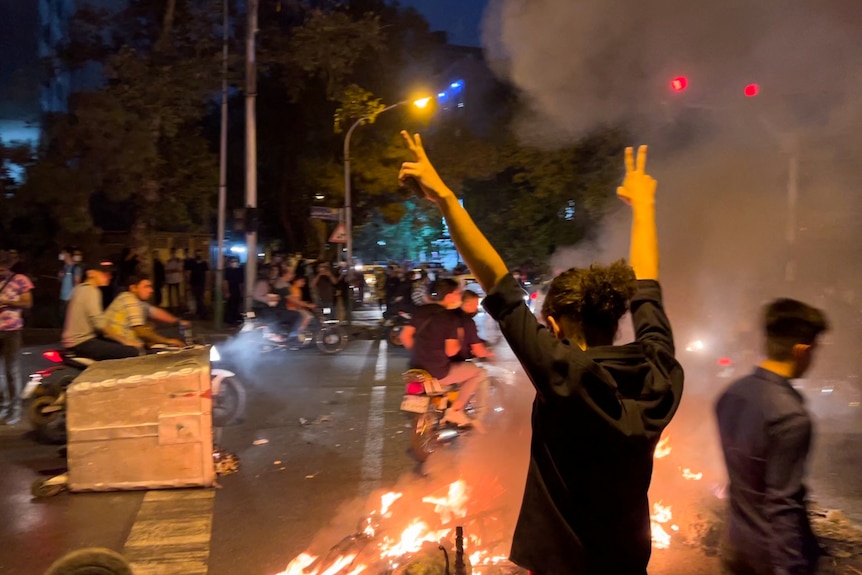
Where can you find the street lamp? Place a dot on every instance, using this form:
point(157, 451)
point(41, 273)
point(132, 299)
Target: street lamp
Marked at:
point(348, 214)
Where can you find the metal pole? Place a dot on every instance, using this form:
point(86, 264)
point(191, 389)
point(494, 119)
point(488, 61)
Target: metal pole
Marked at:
point(348, 210)
point(218, 315)
point(250, 150)
point(792, 197)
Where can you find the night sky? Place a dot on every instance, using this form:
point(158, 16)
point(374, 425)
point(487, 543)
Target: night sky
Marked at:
point(18, 59)
point(460, 18)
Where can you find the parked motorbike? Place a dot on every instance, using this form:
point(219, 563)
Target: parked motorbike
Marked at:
point(327, 334)
point(45, 392)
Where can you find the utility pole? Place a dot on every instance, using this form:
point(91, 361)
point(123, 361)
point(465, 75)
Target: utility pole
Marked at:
point(218, 314)
point(792, 200)
point(250, 154)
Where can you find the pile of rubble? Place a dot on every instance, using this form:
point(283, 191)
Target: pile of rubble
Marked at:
point(839, 537)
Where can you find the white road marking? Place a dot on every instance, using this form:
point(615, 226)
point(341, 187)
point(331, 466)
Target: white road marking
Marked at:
point(380, 369)
point(372, 458)
point(171, 534)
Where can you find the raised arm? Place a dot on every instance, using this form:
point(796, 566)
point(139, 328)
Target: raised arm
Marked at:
point(478, 253)
point(638, 191)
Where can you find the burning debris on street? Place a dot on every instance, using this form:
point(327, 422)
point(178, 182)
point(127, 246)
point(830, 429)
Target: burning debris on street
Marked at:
point(429, 543)
point(412, 532)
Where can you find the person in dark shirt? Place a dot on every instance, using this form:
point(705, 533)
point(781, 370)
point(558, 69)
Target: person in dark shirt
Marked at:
point(324, 285)
point(765, 433)
point(234, 280)
point(158, 278)
point(432, 337)
point(468, 334)
point(599, 409)
point(197, 269)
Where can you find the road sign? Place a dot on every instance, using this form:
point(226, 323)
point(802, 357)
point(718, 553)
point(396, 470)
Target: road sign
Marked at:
point(339, 234)
point(324, 213)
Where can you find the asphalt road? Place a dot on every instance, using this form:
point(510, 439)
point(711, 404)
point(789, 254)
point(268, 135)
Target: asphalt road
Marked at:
point(322, 440)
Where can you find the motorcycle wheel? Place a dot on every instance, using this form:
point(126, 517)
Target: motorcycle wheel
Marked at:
point(422, 442)
point(90, 561)
point(331, 339)
point(48, 427)
point(395, 335)
point(229, 404)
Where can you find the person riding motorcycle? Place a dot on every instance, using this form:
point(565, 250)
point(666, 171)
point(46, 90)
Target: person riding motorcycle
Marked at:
point(126, 317)
point(472, 346)
point(85, 323)
point(432, 337)
point(269, 301)
point(295, 303)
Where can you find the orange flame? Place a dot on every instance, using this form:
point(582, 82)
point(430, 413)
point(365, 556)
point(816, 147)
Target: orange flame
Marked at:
point(661, 514)
point(386, 501)
point(691, 475)
point(663, 447)
point(411, 539)
point(454, 504)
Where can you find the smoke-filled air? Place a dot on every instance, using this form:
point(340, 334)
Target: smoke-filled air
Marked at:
point(758, 195)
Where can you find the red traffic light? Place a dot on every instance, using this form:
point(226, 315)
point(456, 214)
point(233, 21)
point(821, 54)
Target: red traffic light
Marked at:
point(679, 83)
point(751, 90)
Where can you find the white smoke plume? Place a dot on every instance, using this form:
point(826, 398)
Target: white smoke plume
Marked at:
point(723, 160)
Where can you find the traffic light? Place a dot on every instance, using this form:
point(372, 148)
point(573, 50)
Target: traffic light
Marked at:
point(751, 90)
point(679, 83)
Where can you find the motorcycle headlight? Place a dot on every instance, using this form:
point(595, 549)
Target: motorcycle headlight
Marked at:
point(214, 354)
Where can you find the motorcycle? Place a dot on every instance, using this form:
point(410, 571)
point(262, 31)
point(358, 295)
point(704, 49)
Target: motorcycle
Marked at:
point(425, 401)
point(328, 335)
point(45, 392)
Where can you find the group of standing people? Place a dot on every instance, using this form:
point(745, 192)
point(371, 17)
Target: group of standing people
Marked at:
point(600, 408)
point(184, 279)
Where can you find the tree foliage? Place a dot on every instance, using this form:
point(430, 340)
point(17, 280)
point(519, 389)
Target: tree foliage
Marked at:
point(137, 150)
point(130, 153)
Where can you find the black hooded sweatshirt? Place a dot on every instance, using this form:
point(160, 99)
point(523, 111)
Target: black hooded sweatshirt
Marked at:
point(597, 417)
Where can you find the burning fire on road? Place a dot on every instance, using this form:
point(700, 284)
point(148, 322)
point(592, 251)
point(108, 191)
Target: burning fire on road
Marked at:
point(384, 543)
point(417, 534)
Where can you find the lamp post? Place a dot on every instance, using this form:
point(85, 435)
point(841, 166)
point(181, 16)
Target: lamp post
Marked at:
point(348, 213)
point(348, 208)
point(251, 152)
point(218, 312)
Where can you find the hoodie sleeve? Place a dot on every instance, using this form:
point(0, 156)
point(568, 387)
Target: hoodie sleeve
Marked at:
point(652, 327)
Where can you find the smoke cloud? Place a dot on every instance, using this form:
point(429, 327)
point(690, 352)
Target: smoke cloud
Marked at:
point(725, 162)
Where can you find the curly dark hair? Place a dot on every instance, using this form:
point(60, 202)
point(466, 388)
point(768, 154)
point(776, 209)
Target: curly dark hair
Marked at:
point(594, 298)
